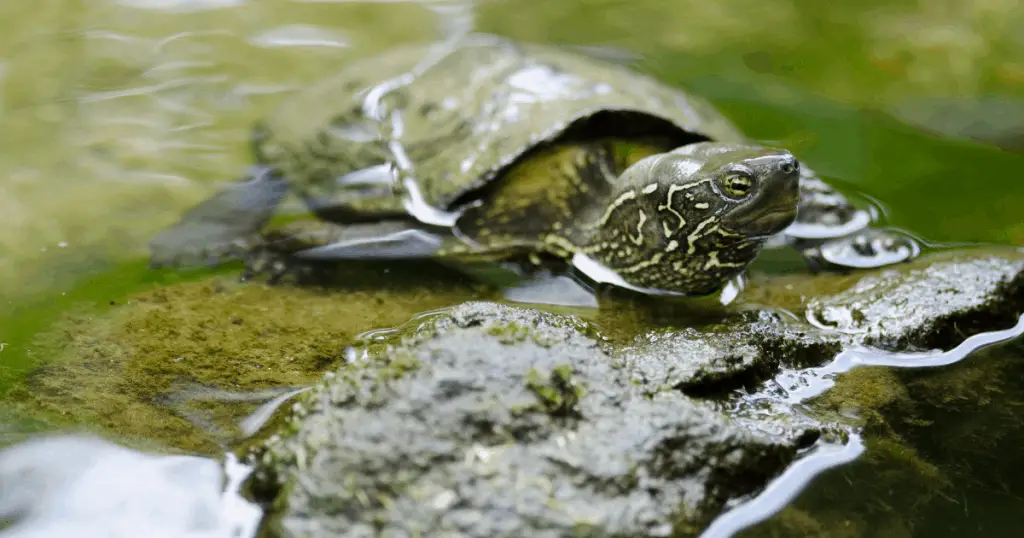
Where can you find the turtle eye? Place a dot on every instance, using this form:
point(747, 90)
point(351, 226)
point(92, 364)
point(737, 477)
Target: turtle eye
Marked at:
point(737, 184)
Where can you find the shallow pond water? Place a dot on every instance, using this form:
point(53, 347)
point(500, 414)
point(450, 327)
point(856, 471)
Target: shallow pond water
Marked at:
point(119, 114)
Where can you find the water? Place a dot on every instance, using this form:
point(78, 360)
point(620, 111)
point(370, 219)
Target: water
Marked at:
point(49, 484)
point(118, 115)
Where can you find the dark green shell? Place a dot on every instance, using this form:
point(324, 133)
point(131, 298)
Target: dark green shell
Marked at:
point(454, 116)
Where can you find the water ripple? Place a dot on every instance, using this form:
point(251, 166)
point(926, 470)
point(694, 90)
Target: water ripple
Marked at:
point(299, 35)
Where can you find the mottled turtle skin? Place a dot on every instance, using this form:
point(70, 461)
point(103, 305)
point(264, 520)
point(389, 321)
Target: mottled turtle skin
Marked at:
point(494, 150)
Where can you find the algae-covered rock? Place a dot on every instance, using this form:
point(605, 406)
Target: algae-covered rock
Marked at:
point(927, 306)
point(446, 433)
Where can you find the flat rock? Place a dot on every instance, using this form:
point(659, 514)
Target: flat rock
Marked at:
point(925, 306)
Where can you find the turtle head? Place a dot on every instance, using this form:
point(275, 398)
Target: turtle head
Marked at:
point(689, 220)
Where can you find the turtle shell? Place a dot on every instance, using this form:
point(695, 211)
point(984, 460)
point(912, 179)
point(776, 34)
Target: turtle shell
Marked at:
point(453, 116)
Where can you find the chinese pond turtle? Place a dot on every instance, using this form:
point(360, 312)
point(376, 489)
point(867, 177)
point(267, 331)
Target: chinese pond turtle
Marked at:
point(494, 150)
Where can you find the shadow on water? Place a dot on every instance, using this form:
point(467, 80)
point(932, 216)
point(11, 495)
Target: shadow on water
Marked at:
point(943, 446)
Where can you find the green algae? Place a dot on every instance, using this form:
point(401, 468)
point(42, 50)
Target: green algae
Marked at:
point(87, 294)
point(902, 484)
point(863, 396)
point(510, 333)
point(130, 369)
point(966, 418)
point(558, 392)
point(515, 333)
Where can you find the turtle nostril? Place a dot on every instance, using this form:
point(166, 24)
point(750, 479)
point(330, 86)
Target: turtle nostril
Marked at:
point(790, 166)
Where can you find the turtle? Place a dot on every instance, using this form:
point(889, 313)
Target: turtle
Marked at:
point(498, 151)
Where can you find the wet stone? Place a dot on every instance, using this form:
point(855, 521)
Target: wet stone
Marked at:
point(927, 305)
point(689, 358)
point(491, 420)
point(725, 356)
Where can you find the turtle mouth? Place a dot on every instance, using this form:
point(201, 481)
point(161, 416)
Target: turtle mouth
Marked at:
point(772, 221)
point(765, 222)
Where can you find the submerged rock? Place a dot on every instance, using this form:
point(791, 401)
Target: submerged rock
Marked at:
point(498, 421)
point(942, 437)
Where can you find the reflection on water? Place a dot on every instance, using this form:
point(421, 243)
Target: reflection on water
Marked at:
point(83, 486)
point(187, 402)
point(298, 35)
point(805, 384)
point(119, 114)
point(782, 490)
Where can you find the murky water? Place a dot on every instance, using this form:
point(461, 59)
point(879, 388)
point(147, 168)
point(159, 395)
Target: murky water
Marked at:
point(120, 114)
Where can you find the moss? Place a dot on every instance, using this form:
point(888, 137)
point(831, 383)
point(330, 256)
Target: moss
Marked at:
point(863, 395)
point(509, 333)
point(148, 367)
point(793, 522)
point(558, 393)
point(882, 494)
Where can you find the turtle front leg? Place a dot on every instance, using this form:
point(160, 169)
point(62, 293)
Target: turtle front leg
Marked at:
point(272, 259)
point(278, 254)
point(299, 249)
point(223, 227)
